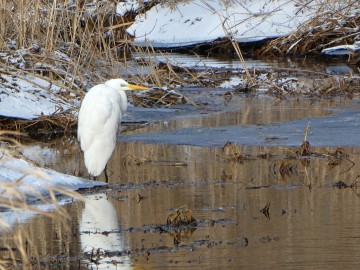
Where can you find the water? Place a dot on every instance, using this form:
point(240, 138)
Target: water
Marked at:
point(335, 66)
point(310, 223)
point(179, 159)
point(256, 121)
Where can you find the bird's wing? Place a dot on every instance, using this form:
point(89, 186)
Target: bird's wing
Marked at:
point(99, 116)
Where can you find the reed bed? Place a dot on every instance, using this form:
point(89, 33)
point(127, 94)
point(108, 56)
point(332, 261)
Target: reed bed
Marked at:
point(70, 46)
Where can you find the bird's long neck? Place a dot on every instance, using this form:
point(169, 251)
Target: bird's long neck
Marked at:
point(123, 101)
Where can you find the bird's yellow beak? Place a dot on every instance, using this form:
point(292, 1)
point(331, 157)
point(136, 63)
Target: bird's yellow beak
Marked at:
point(137, 87)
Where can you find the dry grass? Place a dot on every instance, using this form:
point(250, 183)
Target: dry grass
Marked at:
point(62, 122)
point(86, 35)
point(70, 47)
point(76, 46)
point(73, 47)
point(336, 23)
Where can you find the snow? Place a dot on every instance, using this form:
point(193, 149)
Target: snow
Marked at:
point(232, 82)
point(205, 21)
point(130, 5)
point(32, 182)
point(25, 97)
point(39, 178)
point(342, 49)
point(24, 92)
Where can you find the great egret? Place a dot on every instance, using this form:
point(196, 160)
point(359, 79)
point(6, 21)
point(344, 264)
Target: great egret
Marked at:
point(99, 119)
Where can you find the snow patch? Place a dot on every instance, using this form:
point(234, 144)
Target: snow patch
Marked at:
point(232, 82)
point(130, 5)
point(205, 21)
point(37, 180)
point(33, 182)
point(25, 97)
point(342, 49)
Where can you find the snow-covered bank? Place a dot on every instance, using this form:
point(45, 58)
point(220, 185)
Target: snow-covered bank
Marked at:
point(38, 180)
point(343, 49)
point(27, 85)
point(199, 21)
point(25, 97)
point(22, 182)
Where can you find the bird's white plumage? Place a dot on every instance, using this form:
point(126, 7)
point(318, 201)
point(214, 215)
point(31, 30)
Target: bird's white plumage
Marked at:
point(99, 120)
point(120, 85)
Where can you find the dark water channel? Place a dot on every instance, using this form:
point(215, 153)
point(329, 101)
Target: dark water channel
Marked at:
point(310, 224)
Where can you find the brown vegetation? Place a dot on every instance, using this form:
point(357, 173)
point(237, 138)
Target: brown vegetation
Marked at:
point(335, 24)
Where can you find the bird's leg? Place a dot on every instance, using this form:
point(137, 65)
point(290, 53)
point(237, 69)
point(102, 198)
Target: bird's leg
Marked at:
point(106, 175)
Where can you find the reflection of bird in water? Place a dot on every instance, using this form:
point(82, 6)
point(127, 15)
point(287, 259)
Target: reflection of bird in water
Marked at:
point(99, 119)
point(100, 232)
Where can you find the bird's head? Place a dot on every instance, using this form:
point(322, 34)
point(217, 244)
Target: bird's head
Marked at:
point(120, 84)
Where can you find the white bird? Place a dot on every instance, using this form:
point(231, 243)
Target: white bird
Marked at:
point(99, 119)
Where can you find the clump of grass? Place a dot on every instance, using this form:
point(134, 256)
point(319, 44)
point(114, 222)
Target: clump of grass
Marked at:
point(230, 153)
point(60, 122)
point(157, 97)
point(181, 217)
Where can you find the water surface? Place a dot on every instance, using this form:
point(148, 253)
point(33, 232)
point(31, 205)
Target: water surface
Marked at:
point(171, 162)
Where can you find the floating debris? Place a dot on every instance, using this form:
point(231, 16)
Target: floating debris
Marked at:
point(181, 217)
point(157, 97)
point(265, 210)
point(340, 184)
point(230, 153)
